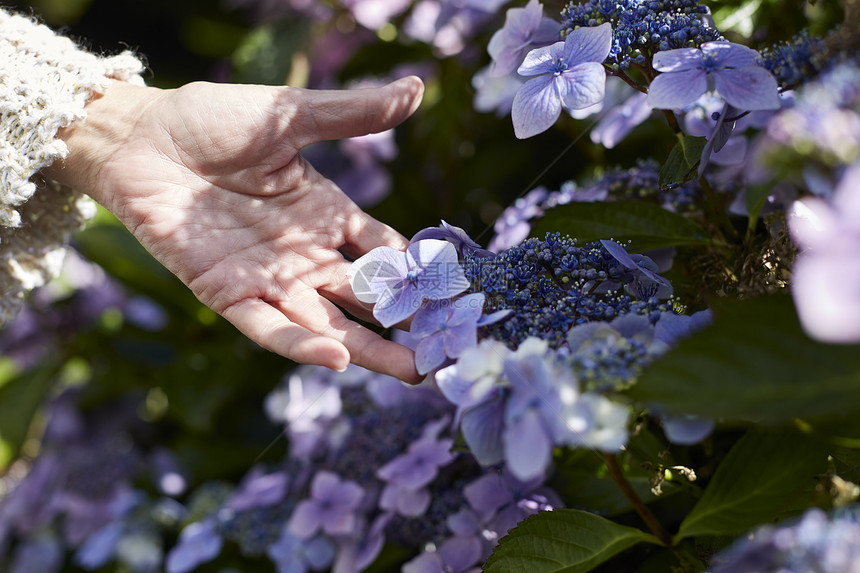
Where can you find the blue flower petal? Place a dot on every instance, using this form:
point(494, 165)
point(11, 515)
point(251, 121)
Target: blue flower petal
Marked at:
point(675, 90)
point(540, 60)
point(528, 448)
point(729, 55)
point(482, 430)
point(582, 86)
point(677, 60)
point(429, 353)
point(752, 88)
point(536, 107)
point(588, 44)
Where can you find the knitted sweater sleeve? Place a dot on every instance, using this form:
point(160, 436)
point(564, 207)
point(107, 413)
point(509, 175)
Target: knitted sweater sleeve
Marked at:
point(45, 81)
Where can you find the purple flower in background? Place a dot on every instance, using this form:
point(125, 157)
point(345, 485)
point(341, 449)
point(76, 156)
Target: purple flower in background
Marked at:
point(446, 328)
point(524, 29)
point(455, 235)
point(620, 120)
point(505, 500)
point(293, 555)
point(331, 507)
point(399, 282)
point(827, 270)
point(513, 226)
point(198, 543)
point(570, 76)
point(357, 553)
point(732, 68)
point(43, 553)
point(259, 489)
point(455, 555)
point(494, 94)
point(407, 475)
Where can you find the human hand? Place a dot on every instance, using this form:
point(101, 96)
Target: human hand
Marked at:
point(209, 179)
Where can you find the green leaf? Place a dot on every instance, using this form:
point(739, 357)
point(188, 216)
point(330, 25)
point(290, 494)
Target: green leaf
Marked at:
point(756, 195)
point(754, 363)
point(20, 399)
point(562, 541)
point(646, 225)
point(768, 475)
point(681, 164)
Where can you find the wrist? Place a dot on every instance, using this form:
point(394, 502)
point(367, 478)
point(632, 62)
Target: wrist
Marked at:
point(111, 119)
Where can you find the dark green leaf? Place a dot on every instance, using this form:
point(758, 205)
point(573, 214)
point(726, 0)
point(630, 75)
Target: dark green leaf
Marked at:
point(562, 541)
point(681, 164)
point(756, 195)
point(648, 226)
point(768, 475)
point(754, 363)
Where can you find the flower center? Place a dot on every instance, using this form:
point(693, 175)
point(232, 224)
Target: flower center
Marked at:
point(710, 63)
point(412, 276)
point(557, 66)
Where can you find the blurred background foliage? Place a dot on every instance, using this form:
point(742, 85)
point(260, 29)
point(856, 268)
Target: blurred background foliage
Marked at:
point(197, 385)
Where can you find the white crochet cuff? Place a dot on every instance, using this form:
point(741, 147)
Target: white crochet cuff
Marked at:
point(45, 81)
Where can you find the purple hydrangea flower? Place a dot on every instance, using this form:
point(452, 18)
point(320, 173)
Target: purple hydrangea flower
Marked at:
point(446, 328)
point(398, 282)
point(505, 500)
point(331, 508)
point(620, 120)
point(198, 543)
point(570, 75)
point(524, 29)
point(733, 69)
point(408, 474)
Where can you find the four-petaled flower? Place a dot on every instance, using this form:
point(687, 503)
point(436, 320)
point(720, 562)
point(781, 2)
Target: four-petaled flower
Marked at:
point(331, 508)
point(732, 68)
point(398, 282)
point(570, 76)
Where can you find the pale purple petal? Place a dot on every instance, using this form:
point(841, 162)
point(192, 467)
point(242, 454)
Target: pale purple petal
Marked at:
point(397, 305)
point(339, 523)
point(826, 290)
point(488, 493)
point(258, 490)
point(377, 272)
point(198, 543)
point(752, 88)
point(430, 353)
point(482, 428)
point(428, 318)
point(467, 309)
point(540, 60)
point(675, 90)
point(528, 449)
point(458, 338)
point(621, 120)
point(464, 522)
point(582, 86)
point(547, 32)
point(494, 317)
point(439, 274)
point(411, 503)
point(319, 553)
point(460, 552)
point(521, 22)
point(425, 563)
point(306, 520)
point(729, 55)
point(588, 44)
point(452, 386)
point(453, 234)
point(536, 107)
point(621, 255)
point(678, 60)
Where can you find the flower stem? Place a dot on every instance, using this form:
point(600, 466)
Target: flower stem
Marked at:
point(650, 520)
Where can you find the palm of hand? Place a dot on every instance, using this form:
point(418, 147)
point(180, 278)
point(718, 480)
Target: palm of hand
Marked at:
point(217, 191)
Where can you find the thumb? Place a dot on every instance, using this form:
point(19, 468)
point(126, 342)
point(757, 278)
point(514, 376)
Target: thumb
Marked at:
point(338, 114)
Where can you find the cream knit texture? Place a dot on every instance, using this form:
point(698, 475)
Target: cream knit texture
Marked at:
point(45, 81)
